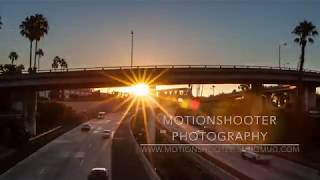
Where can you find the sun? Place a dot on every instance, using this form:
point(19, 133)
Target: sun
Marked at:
point(140, 94)
point(140, 89)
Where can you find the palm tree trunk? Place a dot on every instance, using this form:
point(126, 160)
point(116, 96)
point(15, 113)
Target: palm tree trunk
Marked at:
point(300, 83)
point(38, 62)
point(303, 46)
point(30, 62)
point(35, 55)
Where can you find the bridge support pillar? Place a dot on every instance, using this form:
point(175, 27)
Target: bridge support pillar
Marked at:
point(308, 97)
point(151, 127)
point(30, 111)
point(257, 98)
point(292, 96)
point(5, 103)
point(257, 88)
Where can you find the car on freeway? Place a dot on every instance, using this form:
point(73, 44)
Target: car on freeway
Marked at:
point(249, 154)
point(101, 115)
point(98, 174)
point(106, 133)
point(86, 127)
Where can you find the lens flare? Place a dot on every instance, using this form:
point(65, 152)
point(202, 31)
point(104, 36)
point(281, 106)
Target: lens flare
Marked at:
point(140, 89)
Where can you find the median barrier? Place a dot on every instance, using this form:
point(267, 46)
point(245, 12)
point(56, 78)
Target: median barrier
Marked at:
point(146, 163)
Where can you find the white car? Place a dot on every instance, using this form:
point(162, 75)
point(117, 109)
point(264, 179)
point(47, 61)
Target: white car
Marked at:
point(247, 153)
point(106, 133)
point(101, 115)
point(98, 174)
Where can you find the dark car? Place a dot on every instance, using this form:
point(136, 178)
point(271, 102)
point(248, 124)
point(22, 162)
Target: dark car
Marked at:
point(256, 157)
point(86, 127)
point(106, 134)
point(98, 174)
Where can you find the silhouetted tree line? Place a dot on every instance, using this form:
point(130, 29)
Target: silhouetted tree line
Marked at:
point(34, 28)
point(12, 68)
point(57, 61)
point(52, 114)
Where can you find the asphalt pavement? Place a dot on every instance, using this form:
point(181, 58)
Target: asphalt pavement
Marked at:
point(71, 156)
point(125, 162)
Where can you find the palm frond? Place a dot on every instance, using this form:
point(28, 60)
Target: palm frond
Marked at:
point(310, 40)
point(297, 40)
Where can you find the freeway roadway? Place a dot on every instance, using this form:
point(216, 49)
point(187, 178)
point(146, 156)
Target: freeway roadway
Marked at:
point(70, 156)
point(125, 162)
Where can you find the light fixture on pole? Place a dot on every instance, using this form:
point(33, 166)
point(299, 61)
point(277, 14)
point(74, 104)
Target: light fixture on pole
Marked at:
point(281, 44)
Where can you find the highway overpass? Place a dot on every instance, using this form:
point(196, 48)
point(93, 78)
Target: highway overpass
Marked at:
point(161, 75)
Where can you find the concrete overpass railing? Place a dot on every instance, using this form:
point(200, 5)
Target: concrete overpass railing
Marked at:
point(171, 67)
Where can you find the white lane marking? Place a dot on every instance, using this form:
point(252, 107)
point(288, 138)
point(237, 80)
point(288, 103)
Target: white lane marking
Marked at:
point(60, 141)
point(65, 154)
point(42, 171)
point(79, 154)
point(81, 162)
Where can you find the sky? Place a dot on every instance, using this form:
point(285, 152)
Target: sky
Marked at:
point(95, 33)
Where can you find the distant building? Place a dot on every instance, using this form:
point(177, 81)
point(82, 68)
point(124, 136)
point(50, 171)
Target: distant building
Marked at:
point(176, 92)
point(68, 93)
point(78, 92)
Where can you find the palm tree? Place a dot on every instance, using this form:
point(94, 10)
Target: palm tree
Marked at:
point(27, 29)
point(13, 56)
point(41, 29)
point(56, 62)
point(305, 33)
point(39, 53)
point(20, 68)
point(63, 64)
point(11, 69)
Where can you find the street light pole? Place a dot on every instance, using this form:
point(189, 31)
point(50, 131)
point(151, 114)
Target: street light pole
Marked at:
point(213, 86)
point(131, 49)
point(279, 56)
point(281, 44)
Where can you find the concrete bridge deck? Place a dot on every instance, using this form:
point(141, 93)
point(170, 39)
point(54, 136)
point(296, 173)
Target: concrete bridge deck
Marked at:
point(160, 75)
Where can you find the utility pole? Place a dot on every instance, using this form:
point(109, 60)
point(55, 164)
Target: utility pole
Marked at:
point(281, 44)
point(131, 49)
